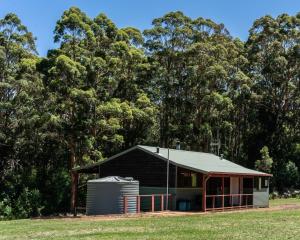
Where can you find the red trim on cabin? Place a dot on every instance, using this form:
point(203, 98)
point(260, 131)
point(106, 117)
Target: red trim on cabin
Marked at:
point(241, 196)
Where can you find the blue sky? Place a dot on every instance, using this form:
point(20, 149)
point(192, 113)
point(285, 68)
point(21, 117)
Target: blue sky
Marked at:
point(40, 16)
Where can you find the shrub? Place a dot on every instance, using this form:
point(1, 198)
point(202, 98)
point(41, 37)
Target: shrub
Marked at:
point(27, 204)
point(265, 164)
point(291, 174)
point(5, 209)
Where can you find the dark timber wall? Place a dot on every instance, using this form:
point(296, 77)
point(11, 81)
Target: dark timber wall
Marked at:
point(147, 169)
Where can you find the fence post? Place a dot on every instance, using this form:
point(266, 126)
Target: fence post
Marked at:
point(171, 202)
point(152, 203)
point(138, 204)
point(223, 192)
point(162, 202)
point(125, 204)
point(204, 193)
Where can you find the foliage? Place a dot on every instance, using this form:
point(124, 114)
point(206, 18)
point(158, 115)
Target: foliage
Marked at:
point(265, 164)
point(273, 53)
point(27, 204)
point(291, 174)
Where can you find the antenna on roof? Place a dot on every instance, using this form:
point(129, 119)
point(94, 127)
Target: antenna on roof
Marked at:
point(215, 145)
point(177, 145)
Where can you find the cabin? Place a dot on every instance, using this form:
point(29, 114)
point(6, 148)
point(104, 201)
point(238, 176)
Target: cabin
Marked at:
point(196, 181)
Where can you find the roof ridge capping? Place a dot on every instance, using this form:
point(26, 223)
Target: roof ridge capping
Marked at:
point(174, 149)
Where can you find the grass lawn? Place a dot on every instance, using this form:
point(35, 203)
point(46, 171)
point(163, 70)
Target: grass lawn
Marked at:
point(283, 201)
point(277, 224)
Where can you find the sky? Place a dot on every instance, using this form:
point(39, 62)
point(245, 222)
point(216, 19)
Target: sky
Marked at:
point(238, 16)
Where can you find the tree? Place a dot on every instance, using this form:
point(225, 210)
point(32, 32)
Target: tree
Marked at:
point(20, 120)
point(292, 175)
point(95, 98)
point(166, 43)
point(273, 53)
point(20, 89)
point(266, 162)
point(197, 71)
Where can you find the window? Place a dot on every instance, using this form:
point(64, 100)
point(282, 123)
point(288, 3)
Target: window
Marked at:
point(257, 183)
point(187, 178)
point(194, 179)
point(264, 182)
point(261, 182)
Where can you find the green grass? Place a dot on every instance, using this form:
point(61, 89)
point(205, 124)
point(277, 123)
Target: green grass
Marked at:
point(284, 201)
point(280, 224)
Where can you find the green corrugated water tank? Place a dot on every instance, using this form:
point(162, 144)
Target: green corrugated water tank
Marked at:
point(106, 195)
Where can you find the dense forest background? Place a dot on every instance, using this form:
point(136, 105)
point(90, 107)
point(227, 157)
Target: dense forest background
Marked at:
point(105, 89)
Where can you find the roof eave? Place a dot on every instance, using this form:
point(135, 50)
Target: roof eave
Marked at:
point(101, 162)
point(242, 174)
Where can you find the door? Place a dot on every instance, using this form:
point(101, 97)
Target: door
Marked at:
point(234, 189)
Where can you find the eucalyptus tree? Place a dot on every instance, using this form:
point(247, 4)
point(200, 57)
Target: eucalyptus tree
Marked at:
point(20, 118)
point(117, 72)
point(95, 97)
point(197, 70)
point(20, 92)
point(217, 81)
point(166, 44)
point(71, 100)
point(273, 51)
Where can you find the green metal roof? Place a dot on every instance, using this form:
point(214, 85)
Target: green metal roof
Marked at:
point(206, 163)
point(202, 162)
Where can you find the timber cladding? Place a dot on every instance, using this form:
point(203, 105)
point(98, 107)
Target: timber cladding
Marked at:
point(147, 169)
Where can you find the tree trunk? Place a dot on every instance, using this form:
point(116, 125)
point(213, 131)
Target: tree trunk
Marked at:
point(74, 178)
